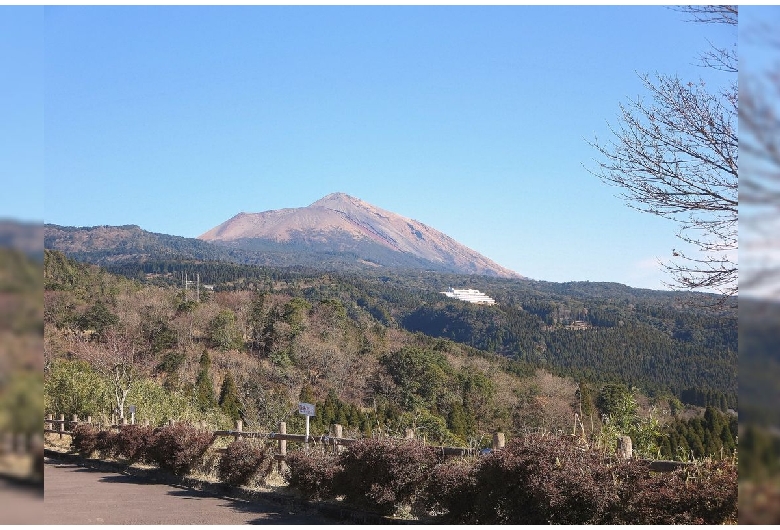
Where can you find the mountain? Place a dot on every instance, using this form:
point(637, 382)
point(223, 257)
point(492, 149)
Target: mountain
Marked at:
point(339, 223)
point(103, 245)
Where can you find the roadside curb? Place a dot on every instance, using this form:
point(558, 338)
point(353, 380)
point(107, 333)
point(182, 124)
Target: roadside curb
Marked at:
point(332, 510)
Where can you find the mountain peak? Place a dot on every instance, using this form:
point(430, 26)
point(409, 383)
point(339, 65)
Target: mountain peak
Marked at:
point(341, 223)
point(339, 201)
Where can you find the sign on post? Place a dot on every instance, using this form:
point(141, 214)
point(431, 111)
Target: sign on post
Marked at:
point(307, 409)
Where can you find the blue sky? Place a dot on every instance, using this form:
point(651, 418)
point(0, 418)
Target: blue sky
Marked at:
point(472, 120)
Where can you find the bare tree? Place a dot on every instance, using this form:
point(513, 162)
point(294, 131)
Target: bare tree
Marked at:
point(676, 157)
point(117, 357)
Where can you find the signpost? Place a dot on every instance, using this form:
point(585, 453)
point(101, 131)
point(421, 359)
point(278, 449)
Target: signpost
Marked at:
point(131, 408)
point(307, 409)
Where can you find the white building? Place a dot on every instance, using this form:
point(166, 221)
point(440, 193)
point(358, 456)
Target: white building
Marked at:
point(469, 295)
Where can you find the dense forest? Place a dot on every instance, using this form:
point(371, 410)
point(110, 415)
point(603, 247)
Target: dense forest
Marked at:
point(661, 342)
point(383, 353)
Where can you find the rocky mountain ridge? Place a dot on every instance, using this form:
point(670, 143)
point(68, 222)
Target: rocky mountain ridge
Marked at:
point(341, 223)
point(337, 232)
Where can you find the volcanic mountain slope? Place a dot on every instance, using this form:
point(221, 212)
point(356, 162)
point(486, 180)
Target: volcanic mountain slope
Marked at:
point(339, 223)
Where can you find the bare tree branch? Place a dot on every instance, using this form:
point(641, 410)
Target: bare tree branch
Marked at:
point(676, 156)
point(117, 358)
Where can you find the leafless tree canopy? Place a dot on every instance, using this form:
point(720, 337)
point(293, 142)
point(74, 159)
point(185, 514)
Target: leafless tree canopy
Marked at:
point(116, 357)
point(676, 156)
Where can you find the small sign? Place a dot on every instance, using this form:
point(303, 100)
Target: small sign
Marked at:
point(131, 409)
point(307, 409)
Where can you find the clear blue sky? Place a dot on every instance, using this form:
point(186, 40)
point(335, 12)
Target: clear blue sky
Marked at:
point(472, 120)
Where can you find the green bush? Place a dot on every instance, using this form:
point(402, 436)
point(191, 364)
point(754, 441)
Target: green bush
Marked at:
point(73, 387)
point(244, 460)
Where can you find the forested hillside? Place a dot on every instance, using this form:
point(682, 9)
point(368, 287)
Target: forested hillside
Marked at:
point(662, 342)
point(376, 354)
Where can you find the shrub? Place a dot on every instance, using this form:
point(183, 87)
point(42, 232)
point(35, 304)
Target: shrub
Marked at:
point(704, 493)
point(133, 442)
point(107, 443)
point(541, 480)
point(312, 473)
point(450, 490)
point(178, 448)
point(84, 439)
point(243, 460)
point(383, 474)
point(553, 479)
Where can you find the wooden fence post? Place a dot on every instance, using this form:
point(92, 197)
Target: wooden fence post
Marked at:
point(48, 424)
point(338, 432)
point(624, 448)
point(239, 429)
point(89, 419)
point(62, 425)
point(499, 440)
point(74, 422)
point(146, 423)
point(409, 434)
point(282, 447)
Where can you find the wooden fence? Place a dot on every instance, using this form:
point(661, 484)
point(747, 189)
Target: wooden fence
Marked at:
point(335, 441)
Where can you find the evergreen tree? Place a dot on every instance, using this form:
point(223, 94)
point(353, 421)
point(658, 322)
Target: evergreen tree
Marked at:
point(204, 387)
point(229, 401)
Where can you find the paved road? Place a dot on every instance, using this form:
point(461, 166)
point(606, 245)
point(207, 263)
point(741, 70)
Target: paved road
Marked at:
point(78, 495)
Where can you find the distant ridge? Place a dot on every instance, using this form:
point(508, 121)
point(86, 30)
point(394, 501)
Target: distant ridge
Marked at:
point(340, 223)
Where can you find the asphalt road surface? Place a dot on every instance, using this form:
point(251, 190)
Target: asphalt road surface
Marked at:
point(78, 495)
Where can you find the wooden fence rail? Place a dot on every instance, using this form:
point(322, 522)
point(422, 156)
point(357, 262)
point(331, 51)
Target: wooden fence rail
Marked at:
point(336, 442)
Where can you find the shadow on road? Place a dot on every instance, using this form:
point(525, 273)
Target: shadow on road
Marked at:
point(268, 513)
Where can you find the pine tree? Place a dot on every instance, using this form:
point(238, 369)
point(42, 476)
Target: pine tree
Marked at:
point(204, 387)
point(229, 401)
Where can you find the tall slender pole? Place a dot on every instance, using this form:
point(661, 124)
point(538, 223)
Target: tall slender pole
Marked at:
point(307, 431)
